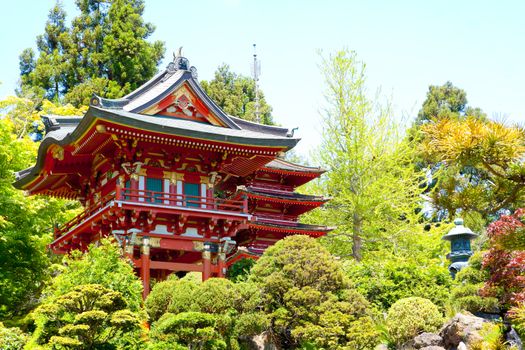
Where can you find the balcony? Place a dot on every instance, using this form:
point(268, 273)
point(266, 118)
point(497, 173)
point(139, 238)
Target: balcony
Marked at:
point(162, 203)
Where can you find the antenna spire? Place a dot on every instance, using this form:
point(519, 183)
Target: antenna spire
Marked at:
point(256, 71)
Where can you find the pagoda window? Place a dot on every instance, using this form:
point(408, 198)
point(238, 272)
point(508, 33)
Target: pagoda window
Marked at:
point(191, 194)
point(154, 190)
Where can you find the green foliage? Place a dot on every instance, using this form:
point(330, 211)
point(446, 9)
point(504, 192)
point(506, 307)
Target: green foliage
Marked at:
point(410, 316)
point(466, 292)
point(225, 312)
point(483, 165)
point(374, 186)
point(89, 316)
point(235, 94)
point(491, 338)
point(102, 264)
point(104, 51)
point(308, 300)
point(25, 223)
point(12, 338)
point(196, 330)
point(386, 280)
point(240, 270)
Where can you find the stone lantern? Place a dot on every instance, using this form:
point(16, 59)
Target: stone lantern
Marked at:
point(460, 250)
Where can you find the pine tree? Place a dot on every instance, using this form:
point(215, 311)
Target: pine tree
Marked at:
point(105, 52)
point(235, 94)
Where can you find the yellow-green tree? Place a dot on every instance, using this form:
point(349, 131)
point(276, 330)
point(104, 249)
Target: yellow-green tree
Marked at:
point(25, 222)
point(482, 166)
point(374, 187)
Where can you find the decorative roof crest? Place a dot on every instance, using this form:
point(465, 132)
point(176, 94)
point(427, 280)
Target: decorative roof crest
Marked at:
point(179, 63)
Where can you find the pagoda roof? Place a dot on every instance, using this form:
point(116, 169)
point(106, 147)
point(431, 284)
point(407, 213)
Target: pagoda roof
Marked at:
point(139, 111)
point(282, 165)
point(282, 196)
point(292, 228)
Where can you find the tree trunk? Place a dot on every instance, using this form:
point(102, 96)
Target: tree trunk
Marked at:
point(357, 230)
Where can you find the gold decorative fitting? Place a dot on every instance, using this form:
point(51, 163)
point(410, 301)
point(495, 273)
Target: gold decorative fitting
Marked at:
point(58, 153)
point(154, 242)
point(101, 128)
point(205, 180)
point(198, 246)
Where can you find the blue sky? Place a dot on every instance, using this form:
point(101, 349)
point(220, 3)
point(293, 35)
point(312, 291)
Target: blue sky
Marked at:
point(407, 45)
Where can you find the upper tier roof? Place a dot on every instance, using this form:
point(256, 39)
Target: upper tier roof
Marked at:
point(173, 104)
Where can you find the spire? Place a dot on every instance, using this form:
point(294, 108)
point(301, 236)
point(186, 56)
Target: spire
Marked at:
point(256, 71)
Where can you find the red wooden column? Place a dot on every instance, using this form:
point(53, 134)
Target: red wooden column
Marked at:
point(145, 266)
point(206, 262)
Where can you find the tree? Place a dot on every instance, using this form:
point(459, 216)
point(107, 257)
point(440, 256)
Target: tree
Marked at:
point(25, 223)
point(102, 264)
point(374, 186)
point(104, 51)
point(235, 94)
point(446, 101)
point(482, 166)
point(90, 316)
point(308, 299)
point(505, 260)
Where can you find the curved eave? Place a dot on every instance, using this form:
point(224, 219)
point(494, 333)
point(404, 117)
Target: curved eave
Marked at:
point(316, 231)
point(313, 200)
point(283, 166)
point(214, 133)
point(309, 174)
point(127, 119)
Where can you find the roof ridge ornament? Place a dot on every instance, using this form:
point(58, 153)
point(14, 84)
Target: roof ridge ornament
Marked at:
point(179, 63)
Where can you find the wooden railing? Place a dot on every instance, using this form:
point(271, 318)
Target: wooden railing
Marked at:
point(62, 229)
point(157, 198)
point(182, 200)
point(289, 220)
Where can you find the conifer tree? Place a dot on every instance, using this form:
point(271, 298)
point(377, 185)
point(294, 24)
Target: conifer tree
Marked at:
point(105, 51)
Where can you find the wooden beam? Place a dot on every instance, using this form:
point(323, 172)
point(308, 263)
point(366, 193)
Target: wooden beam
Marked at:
point(174, 266)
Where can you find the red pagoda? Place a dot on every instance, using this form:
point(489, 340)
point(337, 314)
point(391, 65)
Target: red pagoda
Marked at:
point(179, 183)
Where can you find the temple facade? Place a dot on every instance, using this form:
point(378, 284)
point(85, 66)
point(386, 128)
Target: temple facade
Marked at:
point(180, 184)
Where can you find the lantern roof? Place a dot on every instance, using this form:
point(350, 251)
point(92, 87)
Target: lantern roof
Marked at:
point(459, 231)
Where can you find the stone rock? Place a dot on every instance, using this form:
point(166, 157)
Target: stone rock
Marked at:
point(513, 339)
point(426, 340)
point(462, 328)
point(462, 346)
point(260, 342)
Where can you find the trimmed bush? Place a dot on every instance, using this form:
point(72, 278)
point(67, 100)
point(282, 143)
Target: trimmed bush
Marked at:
point(410, 316)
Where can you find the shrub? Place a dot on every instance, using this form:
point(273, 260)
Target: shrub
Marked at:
point(12, 338)
point(308, 299)
point(466, 292)
point(392, 278)
point(410, 316)
point(102, 264)
point(196, 330)
point(89, 316)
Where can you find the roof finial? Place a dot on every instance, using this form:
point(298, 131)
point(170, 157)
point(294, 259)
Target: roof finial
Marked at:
point(178, 54)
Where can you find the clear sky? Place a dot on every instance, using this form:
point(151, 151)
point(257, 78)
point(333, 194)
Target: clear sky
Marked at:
point(407, 45)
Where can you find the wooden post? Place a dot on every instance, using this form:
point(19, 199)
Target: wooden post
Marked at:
point(206, 262)
point(118, 189)
point(145, 266)
point(222, 263)
point(245, 203)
